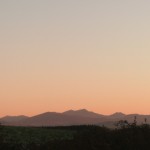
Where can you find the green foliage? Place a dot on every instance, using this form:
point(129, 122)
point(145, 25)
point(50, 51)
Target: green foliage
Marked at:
point(128, 137)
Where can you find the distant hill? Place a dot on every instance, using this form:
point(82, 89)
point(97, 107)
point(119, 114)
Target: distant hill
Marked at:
point(72, 117)
point(117, 115)
point(11, 119)
point(83, 113)
point(57, 119)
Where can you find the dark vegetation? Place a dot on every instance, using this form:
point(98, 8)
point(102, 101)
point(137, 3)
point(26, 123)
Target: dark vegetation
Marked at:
point(125, 137)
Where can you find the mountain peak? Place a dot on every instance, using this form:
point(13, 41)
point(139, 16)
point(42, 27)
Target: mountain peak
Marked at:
point(117, 115)
point(82, 113)
point(79, 110)
point(83, 110)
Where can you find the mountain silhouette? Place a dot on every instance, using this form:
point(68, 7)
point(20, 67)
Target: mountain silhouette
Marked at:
point(72, 117)
point(83, 113)
point(9, 119)
point(57, 119)
point(117, 115)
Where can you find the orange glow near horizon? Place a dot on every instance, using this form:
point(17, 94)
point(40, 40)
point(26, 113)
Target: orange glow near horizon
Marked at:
point(56, 56)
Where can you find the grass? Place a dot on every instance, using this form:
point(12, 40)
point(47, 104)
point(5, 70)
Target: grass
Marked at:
point(130, 137)
point(37, 135)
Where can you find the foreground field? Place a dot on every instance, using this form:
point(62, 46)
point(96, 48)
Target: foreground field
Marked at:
point(75, 138)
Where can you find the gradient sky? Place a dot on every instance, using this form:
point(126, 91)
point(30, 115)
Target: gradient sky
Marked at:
point(57, 55)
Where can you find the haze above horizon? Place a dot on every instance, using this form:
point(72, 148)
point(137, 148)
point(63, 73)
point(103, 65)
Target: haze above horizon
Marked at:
point(57, 55)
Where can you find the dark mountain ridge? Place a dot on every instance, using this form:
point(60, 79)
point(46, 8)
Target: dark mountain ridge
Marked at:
point(83, 113)
point(13, 118)
point(72, 117)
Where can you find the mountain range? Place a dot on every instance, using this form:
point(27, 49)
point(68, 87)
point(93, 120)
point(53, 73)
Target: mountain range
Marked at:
point(72, 117)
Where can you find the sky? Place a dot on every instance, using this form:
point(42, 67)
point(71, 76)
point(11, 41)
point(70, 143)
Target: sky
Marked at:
point(74, 54)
